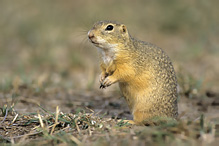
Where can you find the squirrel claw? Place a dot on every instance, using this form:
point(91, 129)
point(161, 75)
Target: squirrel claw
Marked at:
point(102, 86)
point(107, 82)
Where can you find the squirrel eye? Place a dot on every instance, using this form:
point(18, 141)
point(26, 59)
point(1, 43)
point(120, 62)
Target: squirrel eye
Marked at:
point(109, 27)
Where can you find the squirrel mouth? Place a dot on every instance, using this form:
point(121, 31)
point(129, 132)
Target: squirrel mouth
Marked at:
point(95, 43)
point(92, 38)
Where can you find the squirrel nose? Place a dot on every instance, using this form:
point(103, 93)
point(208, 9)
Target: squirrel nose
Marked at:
point(90, 35)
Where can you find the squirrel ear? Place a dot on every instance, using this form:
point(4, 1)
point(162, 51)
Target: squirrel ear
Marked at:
point(124, 30)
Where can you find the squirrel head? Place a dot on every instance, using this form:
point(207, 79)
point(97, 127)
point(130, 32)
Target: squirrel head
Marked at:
point(108, 34)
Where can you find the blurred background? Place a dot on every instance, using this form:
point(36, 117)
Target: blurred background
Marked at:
point(43, 44)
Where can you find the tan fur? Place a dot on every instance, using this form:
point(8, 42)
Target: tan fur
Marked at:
point(144, 72)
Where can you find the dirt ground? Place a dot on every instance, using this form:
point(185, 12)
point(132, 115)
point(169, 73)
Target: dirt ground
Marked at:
point(103, 103)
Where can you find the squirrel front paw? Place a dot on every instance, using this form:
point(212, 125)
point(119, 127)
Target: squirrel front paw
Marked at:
point(102, 77)
point(107, 82)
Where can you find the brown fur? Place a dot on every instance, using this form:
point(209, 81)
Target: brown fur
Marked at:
point(145, 73)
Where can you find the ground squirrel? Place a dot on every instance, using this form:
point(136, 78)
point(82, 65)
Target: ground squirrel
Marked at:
point(144, 72)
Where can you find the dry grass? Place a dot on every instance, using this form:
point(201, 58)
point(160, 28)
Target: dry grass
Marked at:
point(89, 128)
